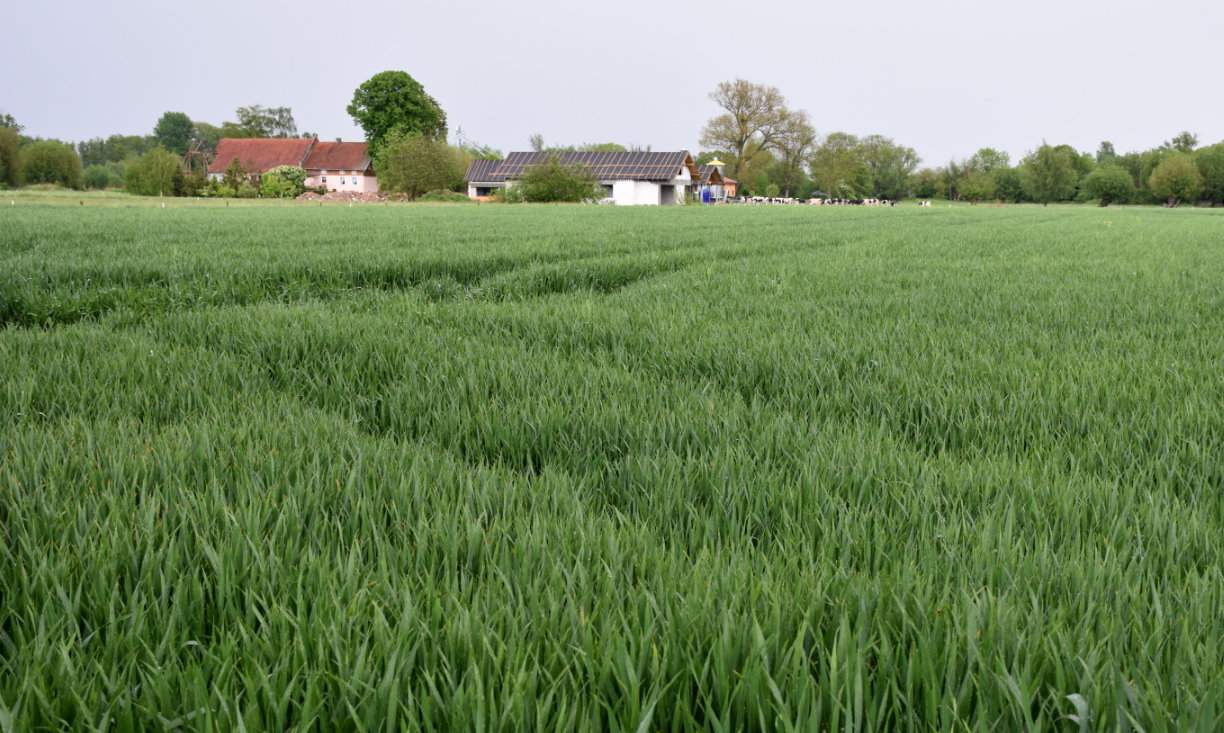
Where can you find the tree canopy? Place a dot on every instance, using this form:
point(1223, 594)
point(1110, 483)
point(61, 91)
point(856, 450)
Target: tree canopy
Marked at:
point(174, 132)
point(415, 164)
point(393, 101)
point(754, 118)
point(1176, 180)
point(1049, 174)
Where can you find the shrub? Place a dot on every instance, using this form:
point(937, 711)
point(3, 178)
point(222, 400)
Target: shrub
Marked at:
point(413, 164)
point(247, 190)
point(555, 181)
point(156, 173)
point(235, 176)
point(50, 161)
point(1110, 184)
point(97, 176)
point(447, 196)
point(1176, 179)
point(283, 182)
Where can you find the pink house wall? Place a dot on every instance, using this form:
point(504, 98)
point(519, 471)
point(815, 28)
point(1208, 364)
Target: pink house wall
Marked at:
point(343, 181)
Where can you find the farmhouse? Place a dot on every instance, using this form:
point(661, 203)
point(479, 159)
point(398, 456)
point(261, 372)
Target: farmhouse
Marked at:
point(337, 166)
point(713, 186)
point(631, 178)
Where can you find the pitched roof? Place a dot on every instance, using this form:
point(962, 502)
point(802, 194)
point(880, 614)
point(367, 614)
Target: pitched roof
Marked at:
point(705, 175)
point(338, 156)
point(482, 171)
point(636, 166)
point(258, 154)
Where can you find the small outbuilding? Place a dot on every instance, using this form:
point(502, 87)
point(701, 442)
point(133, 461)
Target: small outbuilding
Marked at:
point(629, 179)
point(713, 186)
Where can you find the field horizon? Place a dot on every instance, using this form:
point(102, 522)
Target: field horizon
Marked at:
point(524, 467)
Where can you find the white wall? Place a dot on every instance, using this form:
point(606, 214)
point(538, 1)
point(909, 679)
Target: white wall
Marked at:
point(344, 182)
point(635, 193)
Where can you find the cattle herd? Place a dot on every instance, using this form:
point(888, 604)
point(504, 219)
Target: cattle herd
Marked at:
point(768, 200)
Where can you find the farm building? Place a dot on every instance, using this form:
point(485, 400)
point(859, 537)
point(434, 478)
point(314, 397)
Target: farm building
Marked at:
point(629, 179)
point(712, 185)
point(337, 166)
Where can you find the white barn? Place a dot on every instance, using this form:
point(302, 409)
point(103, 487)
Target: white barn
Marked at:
point(629, 179)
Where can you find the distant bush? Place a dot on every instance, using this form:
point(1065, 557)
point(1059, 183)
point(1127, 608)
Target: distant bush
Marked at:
point(1110, 184)
point(283, 182)
point(1210, 162)
point(446, 196)
point(50, 161)
point(977, 186)
point(97, 177)
point(554, 181)
point(156, 173)
point(247, 190)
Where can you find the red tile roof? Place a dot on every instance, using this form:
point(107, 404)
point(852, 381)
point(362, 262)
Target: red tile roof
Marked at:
point(338, 156)
point(258, 155)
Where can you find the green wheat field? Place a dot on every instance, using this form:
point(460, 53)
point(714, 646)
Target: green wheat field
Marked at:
point(506, 468)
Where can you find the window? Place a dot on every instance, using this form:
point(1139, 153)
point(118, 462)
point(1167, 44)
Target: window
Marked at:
point(354, 180)
point(324, 179)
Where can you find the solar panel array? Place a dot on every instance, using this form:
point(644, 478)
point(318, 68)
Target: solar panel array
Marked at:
point(636, 166)
point(482, 171)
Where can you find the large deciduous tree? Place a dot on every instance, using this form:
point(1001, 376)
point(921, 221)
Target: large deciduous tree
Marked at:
point(889, 166)
point(1110, 184)
point(1210, 161)
point(1050, 174)
point(754, 118)
point(156, 173)
point(838, 167)
point(1176, 180)
point(394, 101)
point(795, 146)
point(174, 131)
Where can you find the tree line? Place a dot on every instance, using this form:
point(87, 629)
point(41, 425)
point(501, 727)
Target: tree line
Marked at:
point(770, 148)
point(774, 150)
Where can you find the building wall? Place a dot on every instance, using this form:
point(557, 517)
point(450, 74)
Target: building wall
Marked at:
point(343, 181)
point(635, 193)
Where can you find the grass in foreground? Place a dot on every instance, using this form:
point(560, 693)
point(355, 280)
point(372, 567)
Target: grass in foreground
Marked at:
point(560, 468)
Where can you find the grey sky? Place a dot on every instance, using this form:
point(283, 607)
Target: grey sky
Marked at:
point(943, 76)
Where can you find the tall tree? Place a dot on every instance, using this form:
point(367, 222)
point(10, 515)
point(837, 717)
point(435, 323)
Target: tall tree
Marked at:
point(795, 146)
point(1049, 174)
point(1183, 142)
point(536, 141)
point(415, 164)
point(173, 132)
point(7, 121)
point(1106, 153)
point(986, 160)
point(839, 168)
point(260, 121)
point(889, 166)
point(393, 100)
point(754, 117)
point(51, 161)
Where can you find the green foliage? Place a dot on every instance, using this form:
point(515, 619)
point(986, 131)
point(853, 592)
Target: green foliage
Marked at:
point(8, 122)
point(1210, 162)
point(174, 132)
point(1009, 184)
point(156, 173)
point(283, 182)
point(1176, 180)
point(443, 195)
point(235, 175)
point(889, 166)
point(1184, 142)
point(259, 121)
point(413, 164)
point(98, 177)
point(925, 184)
point(113, 149)
point(498, 468)
point(1110, 184)
point(392, 101)
point(772, 190)
point(977, 185)
point(1050, 174)
point(10, 156)
point(839, 168)
point(246, 190)
point(554, 181)
point(50, 161)
point(987, 160)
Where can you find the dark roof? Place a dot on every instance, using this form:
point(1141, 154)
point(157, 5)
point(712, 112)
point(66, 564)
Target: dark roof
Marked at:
point(636, 166)
point(482, 171)
point(338, 156)
point(706, 171)
point(258, 154)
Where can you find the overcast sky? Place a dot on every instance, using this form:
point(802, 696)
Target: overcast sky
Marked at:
point(943, 76)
